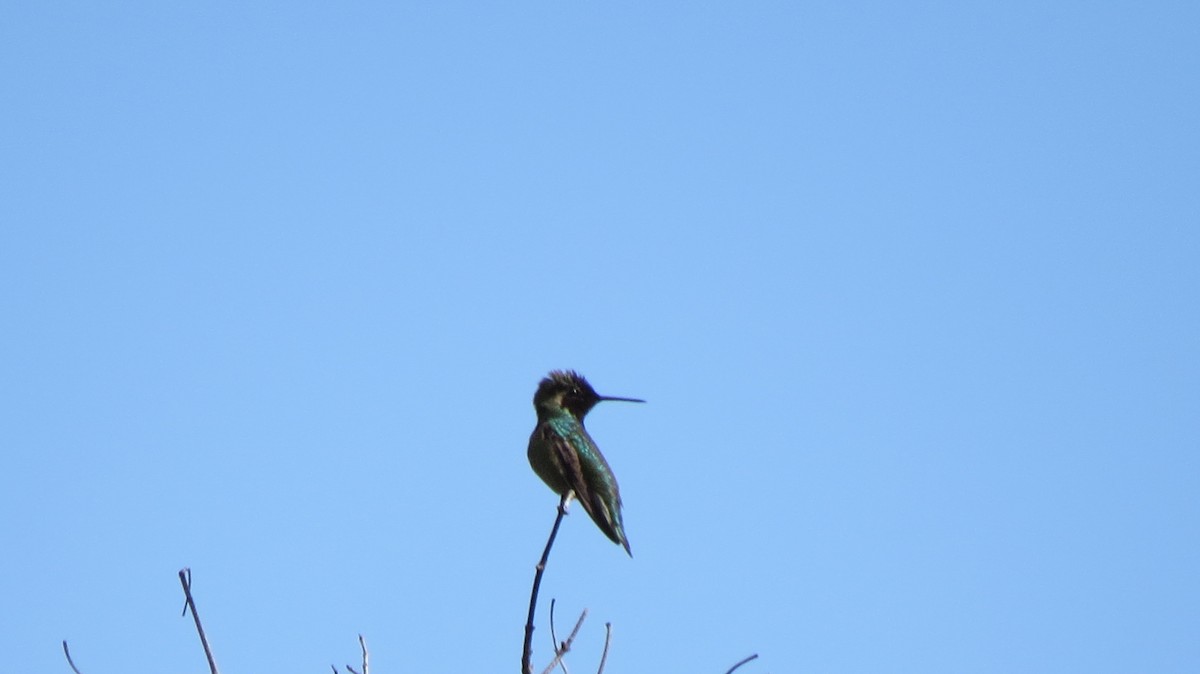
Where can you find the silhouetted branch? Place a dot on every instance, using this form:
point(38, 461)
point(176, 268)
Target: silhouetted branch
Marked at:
point(527, 651)
point(742, 662)
point(67, 652)
point(185, 579)
point(566, 645)
point(554, 637)
point(607, 640)
point(363, 644)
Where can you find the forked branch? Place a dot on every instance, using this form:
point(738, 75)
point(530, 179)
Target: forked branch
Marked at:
point(566, 645)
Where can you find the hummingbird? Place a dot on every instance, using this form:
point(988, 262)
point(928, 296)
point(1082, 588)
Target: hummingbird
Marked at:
point(565, 456)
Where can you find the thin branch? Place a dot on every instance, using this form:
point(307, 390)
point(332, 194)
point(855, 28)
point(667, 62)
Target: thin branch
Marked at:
point(185, 579)
point(334, 668)
point(607, 640)
point(352, 670)
point(67, 652)
point(527, 652)
point(554, 637)
point(566, 645)
point(363, 644)
point(742, 662)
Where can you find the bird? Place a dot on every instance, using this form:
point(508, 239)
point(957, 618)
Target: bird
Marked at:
point(567, 459)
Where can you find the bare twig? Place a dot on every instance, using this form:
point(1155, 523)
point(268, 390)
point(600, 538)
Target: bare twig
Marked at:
point(607, 640)
point(554, 637)
point(185, 579)
point(363, 644)
point(740, 663)
point(67, 652)
point(566, 645)
point(352, 670)
point(334, 668)
point(527, 651)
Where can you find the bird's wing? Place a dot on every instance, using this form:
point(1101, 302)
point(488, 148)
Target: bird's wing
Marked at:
point(572, 470)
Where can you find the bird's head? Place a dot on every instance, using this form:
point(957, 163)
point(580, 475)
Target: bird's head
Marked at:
point(567, 389)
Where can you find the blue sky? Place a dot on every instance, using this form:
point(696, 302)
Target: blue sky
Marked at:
point(911, 290)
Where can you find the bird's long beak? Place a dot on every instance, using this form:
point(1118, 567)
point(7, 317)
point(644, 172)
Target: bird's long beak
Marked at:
point(624, 400)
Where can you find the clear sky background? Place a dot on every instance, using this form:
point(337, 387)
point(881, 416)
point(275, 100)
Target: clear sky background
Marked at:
point(912, 289)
